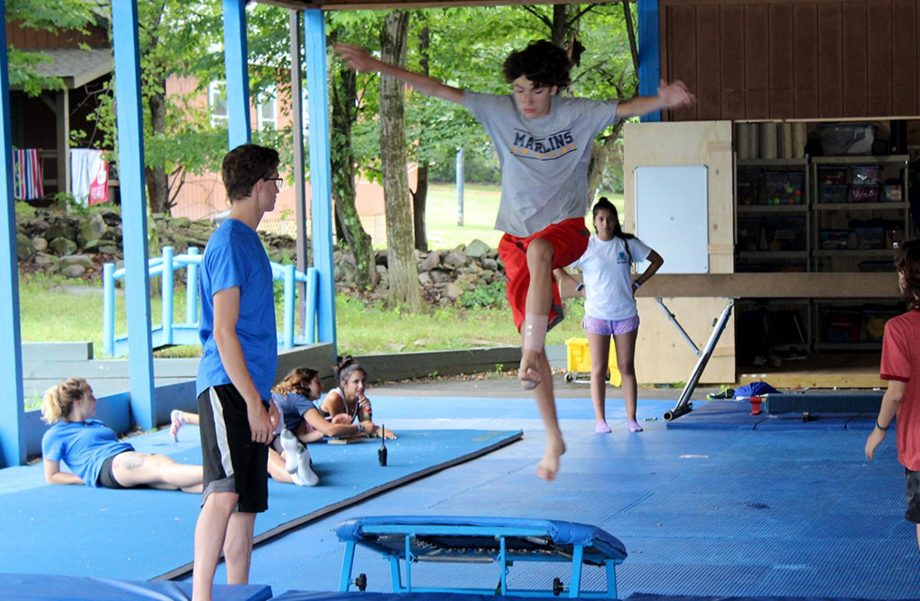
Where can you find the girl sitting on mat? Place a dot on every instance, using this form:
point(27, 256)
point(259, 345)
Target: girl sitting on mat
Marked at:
point(295, 396)
point(610, 306)
point(93, 452)
point(347, 402)
point(301, 422)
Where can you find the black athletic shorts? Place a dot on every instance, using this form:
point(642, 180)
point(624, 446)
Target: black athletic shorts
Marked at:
point(107, 476)
point(232, 462)
point(913, 496)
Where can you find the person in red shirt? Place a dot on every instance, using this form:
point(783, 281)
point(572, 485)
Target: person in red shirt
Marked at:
point(901, 359)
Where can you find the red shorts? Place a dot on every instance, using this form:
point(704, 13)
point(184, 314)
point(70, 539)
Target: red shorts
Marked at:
point(569, 240)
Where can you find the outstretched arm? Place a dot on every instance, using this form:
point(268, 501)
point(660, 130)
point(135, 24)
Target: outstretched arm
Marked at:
point(670, 96)
point(360, 60)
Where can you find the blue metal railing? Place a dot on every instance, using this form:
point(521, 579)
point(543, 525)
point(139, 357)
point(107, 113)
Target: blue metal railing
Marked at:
point(170, 333)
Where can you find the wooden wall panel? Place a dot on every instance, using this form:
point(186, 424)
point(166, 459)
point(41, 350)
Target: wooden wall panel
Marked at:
point(781, 31)
point(830, 59)
point(732, 48)
point(794, 59)
point(708, 66)
point(805, 50)
point(757, 70)
point(682, 65)
point(855, 59)
point(879, 63)
point(905, 88)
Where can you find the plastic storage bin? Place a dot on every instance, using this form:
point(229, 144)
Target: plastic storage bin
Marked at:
point(847, 138)
point(783, 187)
point(578, 362)
point(832, 193)
point(863, 193)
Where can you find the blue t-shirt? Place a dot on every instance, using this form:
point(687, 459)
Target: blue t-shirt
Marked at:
point(292, 406)
point(83, 446)
point(234, 257)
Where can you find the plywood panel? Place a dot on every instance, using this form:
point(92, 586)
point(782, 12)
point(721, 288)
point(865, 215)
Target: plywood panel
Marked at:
point(805, 52)
point(782, 98)
point(664, 357)
point(855, 59)
point(878, 46)
point(830, 60)
point(732, 50)
point(905, 88)
point(708, 64)
point(756, 68)
point(663, 354)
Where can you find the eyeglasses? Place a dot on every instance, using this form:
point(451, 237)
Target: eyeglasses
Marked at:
point(279, 181)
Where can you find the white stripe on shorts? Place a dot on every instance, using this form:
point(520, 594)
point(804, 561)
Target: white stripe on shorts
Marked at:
point(220, 432)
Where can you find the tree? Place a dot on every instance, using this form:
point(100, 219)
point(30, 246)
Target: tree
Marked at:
point(403, 270)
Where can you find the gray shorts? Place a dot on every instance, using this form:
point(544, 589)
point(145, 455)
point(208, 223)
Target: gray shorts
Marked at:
point(913, 496)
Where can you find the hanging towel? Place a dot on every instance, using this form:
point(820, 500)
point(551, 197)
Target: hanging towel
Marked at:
point(89, 176)
point(27, 174)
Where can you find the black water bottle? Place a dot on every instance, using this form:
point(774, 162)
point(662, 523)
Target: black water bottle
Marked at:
point(382, 451)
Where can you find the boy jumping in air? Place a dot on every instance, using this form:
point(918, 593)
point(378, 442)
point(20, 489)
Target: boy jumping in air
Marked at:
point(544, 146)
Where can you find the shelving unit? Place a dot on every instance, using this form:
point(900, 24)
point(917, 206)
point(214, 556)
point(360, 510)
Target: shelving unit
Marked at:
point(860, 211)
point(851, 211)
point(773, 216)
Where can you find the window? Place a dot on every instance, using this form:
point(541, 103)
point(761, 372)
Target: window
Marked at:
point(266, 114)
point(217, 102)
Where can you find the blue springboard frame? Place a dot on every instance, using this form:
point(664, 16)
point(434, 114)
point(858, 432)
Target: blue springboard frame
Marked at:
point(409, 539)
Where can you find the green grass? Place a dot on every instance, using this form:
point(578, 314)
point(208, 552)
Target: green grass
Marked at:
point(480, 206)
point(57, 309)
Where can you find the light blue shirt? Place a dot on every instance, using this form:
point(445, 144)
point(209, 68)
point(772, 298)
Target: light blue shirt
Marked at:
point(83, 446)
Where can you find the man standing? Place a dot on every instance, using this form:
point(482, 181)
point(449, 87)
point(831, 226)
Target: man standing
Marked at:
point(237, 370)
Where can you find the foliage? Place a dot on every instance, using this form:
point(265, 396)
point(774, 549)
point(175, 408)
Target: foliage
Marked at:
point(481, 297)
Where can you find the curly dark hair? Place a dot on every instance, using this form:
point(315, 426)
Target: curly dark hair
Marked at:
point(243, 166)
point(297, 381)
point(542, 62)
point(907, 260)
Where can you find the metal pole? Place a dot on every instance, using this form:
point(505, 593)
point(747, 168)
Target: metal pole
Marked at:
point(300, 197)
point(460, 178)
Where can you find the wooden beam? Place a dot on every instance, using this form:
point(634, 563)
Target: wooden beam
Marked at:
point(773, 285)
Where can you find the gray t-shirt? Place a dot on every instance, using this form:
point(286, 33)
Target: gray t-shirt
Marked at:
point(544, 161)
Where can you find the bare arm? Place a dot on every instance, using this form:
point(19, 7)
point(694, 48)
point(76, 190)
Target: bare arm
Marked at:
point(674, 95)
point(226, 314)
point(569, 282)
point(655, 263)
point(319, 423)
point(890, 403)
point(360, 60)
point(54, 475)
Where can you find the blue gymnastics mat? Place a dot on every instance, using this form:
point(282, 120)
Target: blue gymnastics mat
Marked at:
point(42, 587)
point(144, 534)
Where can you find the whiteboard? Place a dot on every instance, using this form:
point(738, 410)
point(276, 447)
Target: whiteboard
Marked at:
point(672, 216)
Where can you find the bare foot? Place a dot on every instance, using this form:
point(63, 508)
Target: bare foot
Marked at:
point(549, 464)
point(177, 420)
point(529, 372)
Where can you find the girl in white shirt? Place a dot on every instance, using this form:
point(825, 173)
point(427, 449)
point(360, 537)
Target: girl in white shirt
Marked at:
point(610, 306)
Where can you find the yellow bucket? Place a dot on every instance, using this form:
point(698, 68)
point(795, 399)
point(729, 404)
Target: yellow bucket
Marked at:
point(578, 361)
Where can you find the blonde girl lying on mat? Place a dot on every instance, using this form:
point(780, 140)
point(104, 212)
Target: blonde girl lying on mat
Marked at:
point(93, 452)
point(347, 402)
